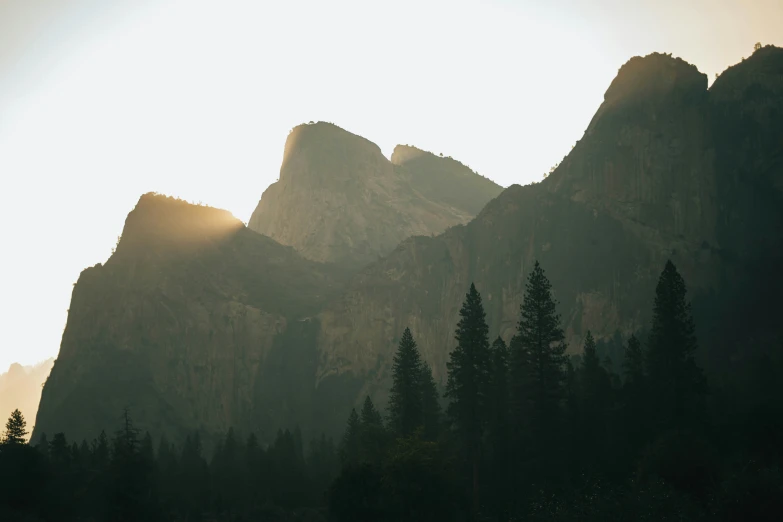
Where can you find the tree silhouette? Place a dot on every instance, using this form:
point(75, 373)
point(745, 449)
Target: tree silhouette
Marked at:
point(538, 375)
point(430, 404)
point(351, 443)
point(468, 382)
point(676, 379)
point(15, 429)
point(373, 434)
point(405, 400)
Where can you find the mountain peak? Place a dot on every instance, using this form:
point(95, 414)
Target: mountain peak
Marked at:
point(326, 145)
point(339, 198)
point(167, 223)
point(657, 79)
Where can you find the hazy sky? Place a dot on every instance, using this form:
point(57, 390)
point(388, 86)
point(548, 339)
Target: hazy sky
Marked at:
point(101, 101)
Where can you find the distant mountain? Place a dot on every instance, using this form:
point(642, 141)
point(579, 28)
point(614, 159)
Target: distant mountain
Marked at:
point(20, 388)
point(200, 324)
point(445, 180)
point(339, 199)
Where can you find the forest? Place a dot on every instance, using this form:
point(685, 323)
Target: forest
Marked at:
point(522, 431)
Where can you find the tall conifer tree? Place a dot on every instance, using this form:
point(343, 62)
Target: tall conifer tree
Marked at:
point(538, 369)
point(349, 447)
point(405, 400)
point(499, 429)
point(676, 379)
point(468, 384)
point(430, 403)
point(373, 435)
point(633, 361)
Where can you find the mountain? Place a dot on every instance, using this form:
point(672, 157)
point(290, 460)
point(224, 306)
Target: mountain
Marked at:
point(182, 325)
point(20, 387)
point(200, 324)
point(666, 169)
point(339, 199)
point(445, 180)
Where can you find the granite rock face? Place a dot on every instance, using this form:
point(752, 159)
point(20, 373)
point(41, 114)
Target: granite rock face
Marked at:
point(667, 169)
point(200, 324)
point(339, 199)
point(178, 325)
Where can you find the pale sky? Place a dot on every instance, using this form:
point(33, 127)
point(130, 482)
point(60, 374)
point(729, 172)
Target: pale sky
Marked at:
point(101, 101)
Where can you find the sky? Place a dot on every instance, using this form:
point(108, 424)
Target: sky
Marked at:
point(102, 101)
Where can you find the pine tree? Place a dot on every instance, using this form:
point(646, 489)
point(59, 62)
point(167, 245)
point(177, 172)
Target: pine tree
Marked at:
point(595, 381)
point(129, 472)
point(405, 401)
point(42, 446)
point(538, 372)
point(499, 429)
point(193, 480)
point(468, 383)
point(351, 443)
point(430, 403)
point(100, 452)
point(15, 429)
point(373, 435)
point(633, 361)
point(595, 389)
point(676, 379)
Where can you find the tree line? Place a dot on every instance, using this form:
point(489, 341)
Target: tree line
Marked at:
point(527, 433)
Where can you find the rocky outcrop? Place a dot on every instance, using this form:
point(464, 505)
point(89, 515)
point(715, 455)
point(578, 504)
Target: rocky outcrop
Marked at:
point(445, 180)
point(339, 199)
point(178, 326)
point(654, 177)
point(200, 324)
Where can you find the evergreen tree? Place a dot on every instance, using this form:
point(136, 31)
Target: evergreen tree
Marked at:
point(538, 374)
point(405, 400)
point(42, 446)
point(351, 443)
point(676, 379)
point(430, 403)
point(372, 435)
point(59, 454)
point(130, 473)
point(499, 429)
point(100, 452)
point(633, 361)
point(595, 392)
point(15, 429)
point(323, 463)
point(193, 479)
point(468, 383)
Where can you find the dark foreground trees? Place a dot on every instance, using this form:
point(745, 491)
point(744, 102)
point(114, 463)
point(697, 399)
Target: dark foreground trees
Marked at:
point(541, 436)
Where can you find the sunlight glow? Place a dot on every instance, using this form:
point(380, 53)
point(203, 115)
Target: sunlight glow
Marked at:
point(194, 99)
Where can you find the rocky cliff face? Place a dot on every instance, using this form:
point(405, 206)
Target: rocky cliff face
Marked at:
point(182, 325)
point(199, 323)
point(339, 199)
point(666, 169)
point(445, 180)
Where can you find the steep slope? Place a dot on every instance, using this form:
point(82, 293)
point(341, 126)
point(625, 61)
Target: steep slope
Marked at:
point(339, 199)
point(445, 180)
point(178, 324)
point(198, 323)
point(657, 175)
point(20, 387)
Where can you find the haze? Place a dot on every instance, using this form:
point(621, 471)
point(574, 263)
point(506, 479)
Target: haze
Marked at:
point(194, 99)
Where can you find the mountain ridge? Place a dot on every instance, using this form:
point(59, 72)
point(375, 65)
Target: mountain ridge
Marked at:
point(679, 172)
point(371, 204)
